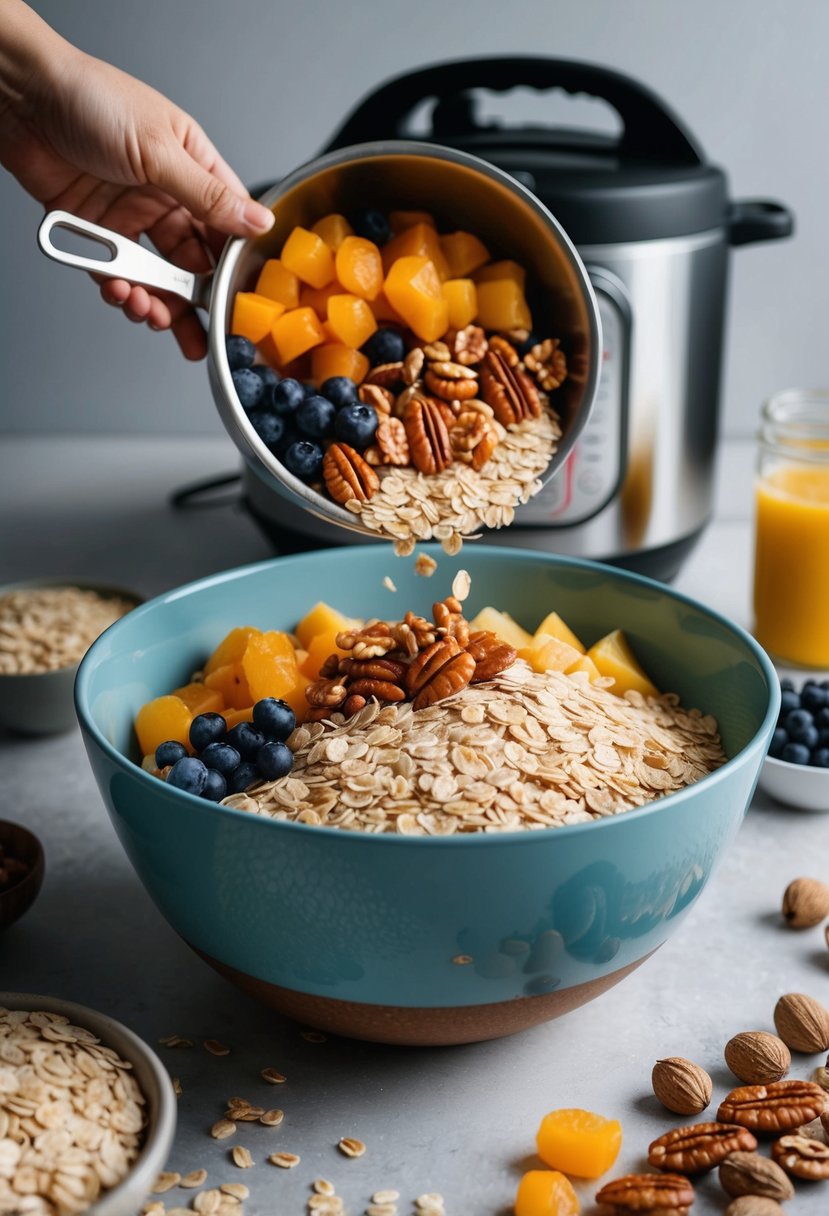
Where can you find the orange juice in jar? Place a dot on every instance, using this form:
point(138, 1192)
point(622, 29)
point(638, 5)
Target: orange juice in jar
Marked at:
point(791, 556)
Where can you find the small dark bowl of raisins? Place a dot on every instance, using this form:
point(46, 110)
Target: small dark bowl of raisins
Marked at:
point(21, 871)
point(796, 770)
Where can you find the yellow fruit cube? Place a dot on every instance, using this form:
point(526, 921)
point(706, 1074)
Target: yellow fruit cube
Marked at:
point(359, 267)
point(319, 619)
point(506, 269)
point(556, 628)
point(160, 720)
point(333, 229)
point(579, 1142)
point(253, 315)
point(231, 682)
point(614, 657)
point(295, 332)
point(234, 716)
point(350, 320)
point(585, 664)
point(231, 648)
point(200, 699)
point(548, 653)
point(319, 648)
point(307, 255)
point(462, 298)
point(418, 241)
point(464, 252)
point(278, 283)
point(502, 305)
point(503, 626)
point(270, 666)
point(546, 1193)
point(413, 288)
point(399, 221)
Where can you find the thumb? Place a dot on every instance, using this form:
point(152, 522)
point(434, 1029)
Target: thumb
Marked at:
point(207, 197)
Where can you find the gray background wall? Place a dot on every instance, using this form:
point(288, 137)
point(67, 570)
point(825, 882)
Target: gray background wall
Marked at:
point(270, 80)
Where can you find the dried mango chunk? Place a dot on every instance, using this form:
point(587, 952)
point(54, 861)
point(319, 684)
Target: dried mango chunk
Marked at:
point(464, 252)
point(579, 1142)
point(547, 653)
point(334, 359)
point(278, 283)
point(614, 657)
point(160, 720)
point(419, 241)
point(502, 305)
point(350, 320)
point(231, 648)
point(503, 626)
point(506, 269)
point(270, 667)
point(307, 255)
point(359, 267)
point(230, 681)
point(333, 229)
point(413, 288)
point(318, 297)
point(555, 627)
point(319, 619)
point(200, 699)
point(546, 1193)
point(253, 315)
point(234, 716)
point(461, 295)
point(296, 332)
point(399, 221)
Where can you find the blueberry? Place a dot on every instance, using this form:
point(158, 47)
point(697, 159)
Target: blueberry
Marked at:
point(824, 684)
point(315, 417)
point(309, 388)
point(797, 723)
point(822, 718)
point(823, 738)
point(810, 738)
point(356, 425)
point(240, 352)
point(789, 700)
point(385, 346)
point(795, 753)
point(304, 459)
point(787, 685)
point(372, 224)
point(215, 787)
point(188, 774)
point(526, 346)
point(778, 741)
point(243, 777)
point(287, 395)
point(207, 728)
point(339, 390)
point(270, 427)
point(249, 388)
point(820, 757)
point(246, 739)
point(274, 760)
point(274, 718)
point(169, 752)
point(221, 757)
point(813, 698)
point(269, 377)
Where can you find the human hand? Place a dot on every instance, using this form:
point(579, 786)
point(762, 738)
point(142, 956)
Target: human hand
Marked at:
point(89, 139)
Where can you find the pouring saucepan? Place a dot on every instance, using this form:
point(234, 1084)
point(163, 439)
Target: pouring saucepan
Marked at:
point(459, 189)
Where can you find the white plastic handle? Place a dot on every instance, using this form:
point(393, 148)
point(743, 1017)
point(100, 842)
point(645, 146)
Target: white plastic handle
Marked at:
point(128, 260)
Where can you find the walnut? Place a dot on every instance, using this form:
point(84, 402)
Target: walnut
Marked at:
point(392, 442)
point(681, 1086)
point(469, 345)
point(547, 363)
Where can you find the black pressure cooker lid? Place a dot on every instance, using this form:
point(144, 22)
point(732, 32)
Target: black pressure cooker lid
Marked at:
point(651, 181)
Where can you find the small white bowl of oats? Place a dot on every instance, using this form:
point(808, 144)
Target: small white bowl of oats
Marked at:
point(46, 627)
point(104, 1102)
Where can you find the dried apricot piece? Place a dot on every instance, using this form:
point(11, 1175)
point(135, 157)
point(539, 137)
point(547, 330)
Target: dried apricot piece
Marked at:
point(318, 619)
point(579, 1142)
point(420, 241)
point(231, 648)
point(464, 252)
point(296, 332)
point(614, 657)
point(462, 297)
point(200, 699)
point(546, 1193)
point(502, 305)
point(334, 359)
point(278, 283)
point(307, 255)
point(254, 315)
point(269, 664)
point(230, 681)
point(359, 267)
point(399, 221)
point(350, 320)
point(160, 720)
point(506, 269)
point(333, 229)
point(414, 289)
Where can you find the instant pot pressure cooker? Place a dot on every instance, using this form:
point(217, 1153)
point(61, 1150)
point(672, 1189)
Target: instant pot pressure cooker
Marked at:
point(652, 221)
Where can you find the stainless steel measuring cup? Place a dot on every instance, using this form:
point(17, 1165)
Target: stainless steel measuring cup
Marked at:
point(461, 191)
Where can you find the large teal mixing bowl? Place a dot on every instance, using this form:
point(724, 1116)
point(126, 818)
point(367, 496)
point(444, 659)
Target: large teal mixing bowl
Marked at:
point(425, 939)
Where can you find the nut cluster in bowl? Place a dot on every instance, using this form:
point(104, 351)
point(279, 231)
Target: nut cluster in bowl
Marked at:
point(401, 376)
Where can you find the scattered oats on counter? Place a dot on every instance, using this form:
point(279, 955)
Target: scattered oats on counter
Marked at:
point(528, 750)
point(71, 1116)
point(46, 628)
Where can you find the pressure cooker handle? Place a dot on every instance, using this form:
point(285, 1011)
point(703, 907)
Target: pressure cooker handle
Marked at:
point(758, 219)
point(127, 259)
point(651, 129)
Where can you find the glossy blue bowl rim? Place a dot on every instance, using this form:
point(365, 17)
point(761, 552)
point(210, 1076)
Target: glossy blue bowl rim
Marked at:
point(458, 840)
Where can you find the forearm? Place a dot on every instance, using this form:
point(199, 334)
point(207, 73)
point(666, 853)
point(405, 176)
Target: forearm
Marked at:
point(29, 49)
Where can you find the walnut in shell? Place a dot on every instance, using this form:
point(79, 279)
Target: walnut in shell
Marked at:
point(681, 1086)
point(805, 903)
point(754, 1205)
point(751, 1174)
point(802, 1022)
point(756, 1057)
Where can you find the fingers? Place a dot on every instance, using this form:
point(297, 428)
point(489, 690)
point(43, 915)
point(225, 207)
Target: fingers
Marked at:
point(206, 195)
point(140, 306)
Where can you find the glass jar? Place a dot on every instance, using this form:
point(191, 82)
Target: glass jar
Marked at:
point(791, 553)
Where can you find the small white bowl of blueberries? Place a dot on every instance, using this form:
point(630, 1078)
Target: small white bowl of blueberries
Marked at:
point(796, 770)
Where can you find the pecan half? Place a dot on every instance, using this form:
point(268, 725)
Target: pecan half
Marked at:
point(413, 365)
point(773, 1108)
point(381, 398)
point(437, 352)
point(325, 694)
point(438, 672)
point(381, 690)
point(802, 1157)
point(491, 655)
point(374, 669)
point(347, 475)
point(392, 442)
point(547, 363)
point(508, 390)
point(699, 1147)
point(386, 375)
point(505, 349)
point(451, 381)
point(428, 435)
point(647, 1193)
point(483, 450)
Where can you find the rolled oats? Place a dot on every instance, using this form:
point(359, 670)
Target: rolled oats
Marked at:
point(46, 628)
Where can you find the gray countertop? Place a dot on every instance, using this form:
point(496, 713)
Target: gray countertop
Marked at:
point(460, 1121)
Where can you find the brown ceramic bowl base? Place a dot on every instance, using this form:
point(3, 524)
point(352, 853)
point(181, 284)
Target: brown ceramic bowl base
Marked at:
point(420, 1027)
point(23, 844)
